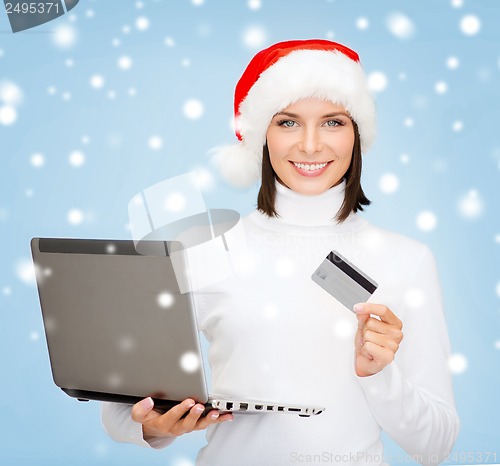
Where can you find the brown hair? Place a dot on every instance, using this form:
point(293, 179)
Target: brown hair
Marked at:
point(354, 198)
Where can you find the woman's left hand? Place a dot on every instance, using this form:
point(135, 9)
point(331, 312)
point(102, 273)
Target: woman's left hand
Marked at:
point(376, 341)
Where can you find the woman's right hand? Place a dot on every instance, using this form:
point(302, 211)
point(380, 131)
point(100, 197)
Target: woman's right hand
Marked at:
point(171, 423)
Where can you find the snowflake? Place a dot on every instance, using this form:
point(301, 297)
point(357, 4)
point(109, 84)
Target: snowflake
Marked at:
point(254, 4)
point(25, 271)
point(96, 81)
point(254, 37)
point(471, 206)
point(441, 87)
point(10, 93)
point(457, 363)
point(124, 62)
point(362, 23)
point(426, 220)
point(470, 25)
point(65, 36)
point(142, 23)
point(377, 81)
point(189, 362)
point(193, 109)
point(75, 216)
point(181, 461)
point(8, 115)
point(409, 122)
point(388, 183)
point(344, 329)
point(76, 158)
point(414, 298)
point(37, 160)
point(400, 26)
point(452, 63)
point(165, 299)
point(405, 159)
point(204, 178)
point(175, 202)
point(155, 142)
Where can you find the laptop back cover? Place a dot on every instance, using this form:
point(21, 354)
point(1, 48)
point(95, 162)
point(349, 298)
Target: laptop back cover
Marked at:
point(115, 322)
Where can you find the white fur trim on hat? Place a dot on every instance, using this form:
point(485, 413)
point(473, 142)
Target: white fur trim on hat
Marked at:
point(327, 75)
point(239, 163)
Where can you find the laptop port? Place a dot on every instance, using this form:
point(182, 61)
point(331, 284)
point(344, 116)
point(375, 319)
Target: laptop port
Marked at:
point(270, 407)
point(229, 405)
point(259, 407)
point(294, 410)
point(281, 408)
point(243, 406)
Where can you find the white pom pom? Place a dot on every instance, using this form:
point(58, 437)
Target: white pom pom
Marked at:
point(238, 164)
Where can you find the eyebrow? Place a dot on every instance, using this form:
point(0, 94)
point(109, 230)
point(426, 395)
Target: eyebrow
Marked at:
point(328, 115)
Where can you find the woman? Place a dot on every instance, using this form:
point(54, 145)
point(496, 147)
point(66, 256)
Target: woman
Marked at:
point(304, 115)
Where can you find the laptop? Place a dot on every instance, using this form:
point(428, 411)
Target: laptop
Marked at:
point(119, 329)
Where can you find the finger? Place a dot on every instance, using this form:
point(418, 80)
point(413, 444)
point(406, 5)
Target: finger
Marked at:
point(380, 310)
point(384, 329)
point(167, 421)
point(210, 418)
point(143, 411)
point(175, 414)
point(381, 340)
point(362, 318)
point(189, 422)
point(213, 417)
point(381, 356)
point(225, 417)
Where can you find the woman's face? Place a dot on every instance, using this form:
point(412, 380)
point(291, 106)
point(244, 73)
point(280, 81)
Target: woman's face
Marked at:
point(310, 145)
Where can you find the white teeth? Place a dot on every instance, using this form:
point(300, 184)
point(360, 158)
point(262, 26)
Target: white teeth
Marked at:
point(310, 166)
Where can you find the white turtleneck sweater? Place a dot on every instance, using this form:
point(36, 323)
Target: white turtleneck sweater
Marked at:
point(275, 335)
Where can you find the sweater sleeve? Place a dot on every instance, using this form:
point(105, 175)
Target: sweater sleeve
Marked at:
point(119, 425)
point(412, 398)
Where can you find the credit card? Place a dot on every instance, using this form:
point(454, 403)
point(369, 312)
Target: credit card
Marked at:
point(344, 281)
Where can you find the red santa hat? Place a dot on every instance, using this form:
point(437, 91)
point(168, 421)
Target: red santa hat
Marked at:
point(281, 75)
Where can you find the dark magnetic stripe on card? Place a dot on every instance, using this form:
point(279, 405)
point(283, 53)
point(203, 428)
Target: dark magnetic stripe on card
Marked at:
point(348, 270)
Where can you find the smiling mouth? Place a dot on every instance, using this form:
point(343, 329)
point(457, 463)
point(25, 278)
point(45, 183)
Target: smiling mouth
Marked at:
point(311, 166)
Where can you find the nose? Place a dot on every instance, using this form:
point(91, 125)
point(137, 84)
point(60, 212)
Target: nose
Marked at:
point(310, 141)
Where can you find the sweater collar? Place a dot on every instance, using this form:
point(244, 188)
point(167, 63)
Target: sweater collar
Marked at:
point(298, 210)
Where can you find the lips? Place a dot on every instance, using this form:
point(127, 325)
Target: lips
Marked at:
point(310, 169)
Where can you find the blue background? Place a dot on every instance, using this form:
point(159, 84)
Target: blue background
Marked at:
point(198, 52)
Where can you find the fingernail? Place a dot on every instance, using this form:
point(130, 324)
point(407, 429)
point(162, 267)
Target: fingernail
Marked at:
point(358, 307)
point(230, 418)
point(199, 409)
point(190, 404)
point(147, 403)
point(214, 415)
